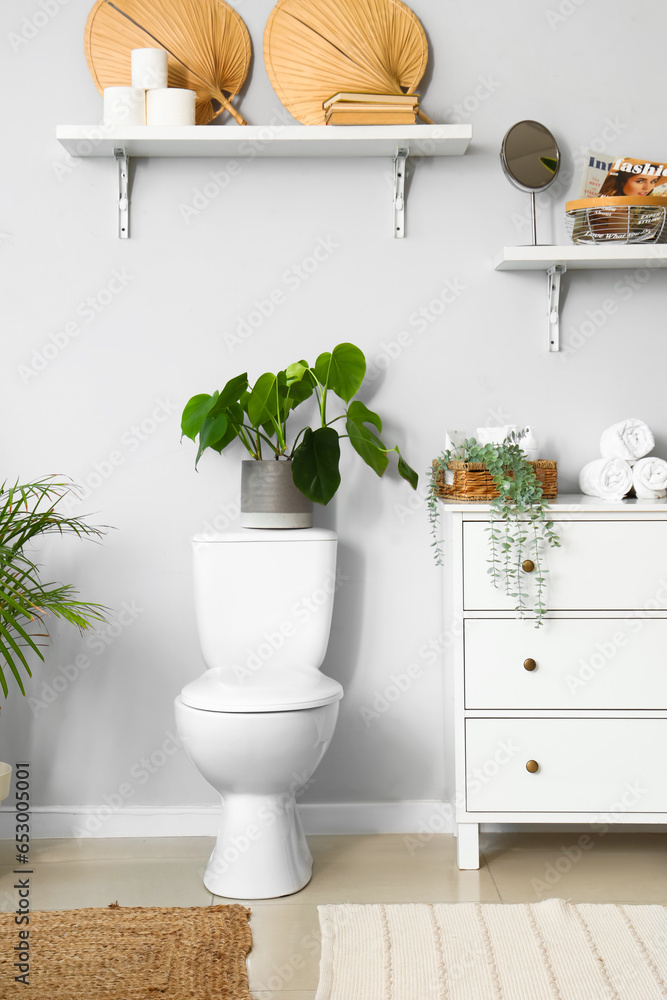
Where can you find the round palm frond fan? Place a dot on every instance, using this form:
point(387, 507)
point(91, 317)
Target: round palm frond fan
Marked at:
point(315, 48)
point(208, 45)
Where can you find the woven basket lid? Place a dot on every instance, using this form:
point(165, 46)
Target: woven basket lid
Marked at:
point(315, 48)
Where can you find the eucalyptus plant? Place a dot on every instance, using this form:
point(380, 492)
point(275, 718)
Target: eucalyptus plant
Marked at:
point(520, 526)
point(28, 512)
point(258, 416)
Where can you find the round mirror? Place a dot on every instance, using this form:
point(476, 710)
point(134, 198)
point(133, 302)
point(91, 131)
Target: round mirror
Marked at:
point(530, 156)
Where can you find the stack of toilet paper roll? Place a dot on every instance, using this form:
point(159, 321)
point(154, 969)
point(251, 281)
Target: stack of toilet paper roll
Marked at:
point(149, 101)
point(625, 465)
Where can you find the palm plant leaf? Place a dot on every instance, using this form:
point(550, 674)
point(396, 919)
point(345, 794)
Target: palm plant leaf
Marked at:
point(26, 512)
point(14, 608)
point(23, 517)
point(79, 613)
point(208, 45)
point(8, 645)
point(315, 48)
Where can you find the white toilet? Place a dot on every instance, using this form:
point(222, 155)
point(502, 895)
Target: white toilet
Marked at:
point(259, 721)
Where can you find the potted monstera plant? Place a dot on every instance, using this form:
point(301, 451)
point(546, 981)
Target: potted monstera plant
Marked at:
point(301, 467)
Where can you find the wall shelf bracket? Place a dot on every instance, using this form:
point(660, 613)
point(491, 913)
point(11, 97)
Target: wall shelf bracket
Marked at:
point(123, 162)
point(553, 304)
point(400, 165)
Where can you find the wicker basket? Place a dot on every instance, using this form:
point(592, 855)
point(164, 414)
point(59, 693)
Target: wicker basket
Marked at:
point(472, 481)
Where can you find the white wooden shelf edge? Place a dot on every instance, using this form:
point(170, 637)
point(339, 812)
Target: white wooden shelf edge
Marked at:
point(541, 258)
point(556, 260)
point(566, 504)
point(265, 140)
point(250, 141)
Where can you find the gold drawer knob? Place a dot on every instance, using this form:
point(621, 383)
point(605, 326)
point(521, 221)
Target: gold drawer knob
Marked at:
point(528, 565)
point(532, 766)
point(530, 663)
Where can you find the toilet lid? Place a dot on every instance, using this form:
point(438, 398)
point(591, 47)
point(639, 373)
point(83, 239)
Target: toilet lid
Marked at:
point(224, 689)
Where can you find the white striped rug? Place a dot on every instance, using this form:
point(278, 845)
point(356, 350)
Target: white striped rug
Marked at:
point(492, 951)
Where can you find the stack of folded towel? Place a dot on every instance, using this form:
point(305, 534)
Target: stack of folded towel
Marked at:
point(623, 465)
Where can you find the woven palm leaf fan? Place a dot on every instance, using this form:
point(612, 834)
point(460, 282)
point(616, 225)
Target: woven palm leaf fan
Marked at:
point(208, 45)
point(315, 48)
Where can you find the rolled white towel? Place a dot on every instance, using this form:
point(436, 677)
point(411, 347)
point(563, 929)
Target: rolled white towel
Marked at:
point(630, 439)
point(649, 478)
point(609, 478)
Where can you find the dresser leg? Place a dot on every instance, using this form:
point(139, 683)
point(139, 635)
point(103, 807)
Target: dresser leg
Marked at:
point(468, 845)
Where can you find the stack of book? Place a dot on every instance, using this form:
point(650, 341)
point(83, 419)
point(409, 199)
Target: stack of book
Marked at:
point(371, 109)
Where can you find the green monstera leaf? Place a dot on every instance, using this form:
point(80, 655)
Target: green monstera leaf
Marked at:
point(263, 402)
point(211, 434)
point(195, 412)
point(364, 441)
point(342, 371)
point(315, 464)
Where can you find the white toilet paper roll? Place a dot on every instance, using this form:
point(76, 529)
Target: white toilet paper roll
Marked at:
point(124, 106)
point(170, 106)
point(493, 435)
point(149, 68)
point(454, 441)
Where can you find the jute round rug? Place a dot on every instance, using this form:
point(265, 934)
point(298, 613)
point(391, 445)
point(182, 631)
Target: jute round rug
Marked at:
point(551, 950)
point(126, 953)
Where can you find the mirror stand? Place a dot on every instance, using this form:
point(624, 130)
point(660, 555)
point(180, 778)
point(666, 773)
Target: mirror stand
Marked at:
point(530, 159)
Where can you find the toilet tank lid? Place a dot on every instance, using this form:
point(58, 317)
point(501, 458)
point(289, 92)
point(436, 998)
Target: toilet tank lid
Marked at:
point(268, 535)
point(224, 689)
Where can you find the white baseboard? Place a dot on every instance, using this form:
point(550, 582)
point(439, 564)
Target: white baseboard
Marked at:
point(62, 822)
point(420, 818)
point(377, 817)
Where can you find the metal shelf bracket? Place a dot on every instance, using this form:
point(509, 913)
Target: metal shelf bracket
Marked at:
point(123, 162)
point(553, 304)
point(400, 164)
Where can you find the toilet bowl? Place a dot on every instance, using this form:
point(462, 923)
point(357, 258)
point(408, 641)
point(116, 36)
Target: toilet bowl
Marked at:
point(257, 723)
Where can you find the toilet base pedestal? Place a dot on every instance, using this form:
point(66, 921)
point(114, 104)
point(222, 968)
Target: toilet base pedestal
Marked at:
point(261, 851)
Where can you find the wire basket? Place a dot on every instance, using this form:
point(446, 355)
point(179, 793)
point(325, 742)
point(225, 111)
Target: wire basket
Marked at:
point(617, 220)
point(472, 481)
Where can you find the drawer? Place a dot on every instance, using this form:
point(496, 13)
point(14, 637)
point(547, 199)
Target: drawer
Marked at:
point(585, 765)
point(581, 663)
point(601, 565)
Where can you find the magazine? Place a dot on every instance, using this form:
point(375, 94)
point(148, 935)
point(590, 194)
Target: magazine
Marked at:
point(605, 177)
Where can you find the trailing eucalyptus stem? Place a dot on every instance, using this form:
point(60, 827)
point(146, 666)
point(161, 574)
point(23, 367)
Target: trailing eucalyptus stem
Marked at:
point(519, 528)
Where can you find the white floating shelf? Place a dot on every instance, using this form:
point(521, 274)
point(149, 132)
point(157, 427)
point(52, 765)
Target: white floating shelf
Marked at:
point(556, 260)
point(251, 141)
point(573, 258)
point(265, 140)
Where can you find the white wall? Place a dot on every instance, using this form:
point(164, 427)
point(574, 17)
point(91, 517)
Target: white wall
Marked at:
point(589, 73)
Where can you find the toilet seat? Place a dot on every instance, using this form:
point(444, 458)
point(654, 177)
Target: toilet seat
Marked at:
point(289, 689)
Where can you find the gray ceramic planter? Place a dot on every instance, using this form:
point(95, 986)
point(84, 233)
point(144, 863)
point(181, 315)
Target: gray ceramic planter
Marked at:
point(269, 498)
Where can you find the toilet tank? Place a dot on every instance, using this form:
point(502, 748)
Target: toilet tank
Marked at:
point(264, 597)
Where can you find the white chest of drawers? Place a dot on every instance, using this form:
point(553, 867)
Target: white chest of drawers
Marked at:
point(566, 723)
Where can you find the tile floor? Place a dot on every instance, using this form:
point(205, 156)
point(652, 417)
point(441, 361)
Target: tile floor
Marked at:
point(616, 867)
